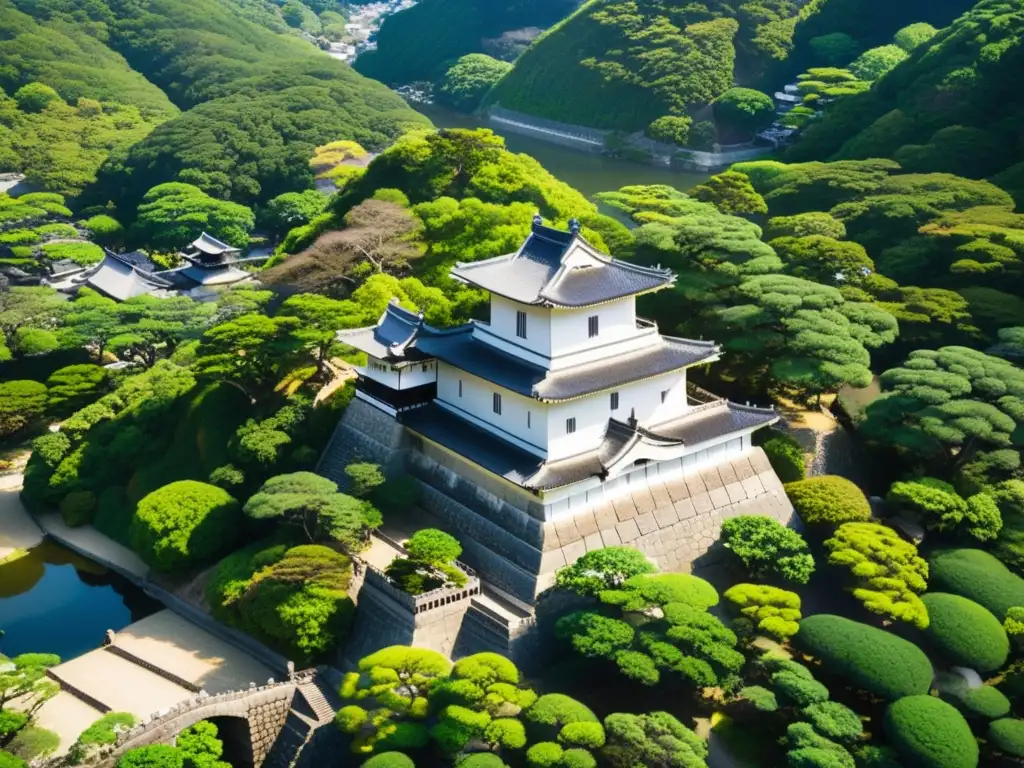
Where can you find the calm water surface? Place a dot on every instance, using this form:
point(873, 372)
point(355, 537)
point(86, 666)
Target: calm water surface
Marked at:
point(587, 172)
point(53, 601)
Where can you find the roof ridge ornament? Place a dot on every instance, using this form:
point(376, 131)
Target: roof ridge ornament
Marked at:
point(538, 220)
point(574, 225)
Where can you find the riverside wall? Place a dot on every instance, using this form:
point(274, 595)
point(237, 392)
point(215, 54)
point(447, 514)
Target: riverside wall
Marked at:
point(595, 140)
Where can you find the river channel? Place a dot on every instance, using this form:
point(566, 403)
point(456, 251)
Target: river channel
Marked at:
point(53, 601)
point(588, 172)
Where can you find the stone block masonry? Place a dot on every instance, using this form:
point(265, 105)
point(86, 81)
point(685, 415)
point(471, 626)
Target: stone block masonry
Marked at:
point(673, 522)
point(364, 433)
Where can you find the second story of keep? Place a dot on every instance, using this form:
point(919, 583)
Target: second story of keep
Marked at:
point(558, 302)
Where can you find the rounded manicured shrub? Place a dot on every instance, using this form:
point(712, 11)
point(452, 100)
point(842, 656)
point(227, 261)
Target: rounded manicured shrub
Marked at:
point(184, 523)
point(786, 456)
point(828, 500)
point(834, 721)
point(389, 760)
point(866, 657)
point(965, 633)
point(978, 576)
point(547, 754)
point(929, 733)
point(984, 703)
point(1007, 735)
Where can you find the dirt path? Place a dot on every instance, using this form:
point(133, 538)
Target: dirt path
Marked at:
point(18, 531)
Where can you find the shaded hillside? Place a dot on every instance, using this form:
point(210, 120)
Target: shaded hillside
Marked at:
point(257, 102)
point(620, 65)
point(955, 106)
point(421, 42)
point(868, 23)
point(70, 57)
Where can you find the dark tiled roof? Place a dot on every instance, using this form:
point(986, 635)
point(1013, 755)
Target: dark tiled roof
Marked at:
point(139, 260)
point(480, 359)
point(715, 420)
point(536, 274)
point(390, 338)
point(519, 466)
point(120, 280)
point(209, 244)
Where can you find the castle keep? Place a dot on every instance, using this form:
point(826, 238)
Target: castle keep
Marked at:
point(564, 424)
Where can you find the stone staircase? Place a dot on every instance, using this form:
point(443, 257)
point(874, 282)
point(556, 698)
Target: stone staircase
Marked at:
point(363, 434)
point(313, 707)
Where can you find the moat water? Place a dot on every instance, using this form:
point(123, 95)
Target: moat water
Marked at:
point(588, 172)
point(54, 601)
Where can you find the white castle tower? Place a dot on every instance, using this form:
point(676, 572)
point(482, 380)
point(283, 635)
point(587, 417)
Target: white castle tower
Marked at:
point(566, 422)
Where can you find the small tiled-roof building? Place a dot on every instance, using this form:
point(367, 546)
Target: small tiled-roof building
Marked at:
point(561, 405)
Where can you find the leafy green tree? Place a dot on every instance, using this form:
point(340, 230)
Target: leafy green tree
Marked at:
point(200, 746)
point(804, 335)
point(73, 387)
point(104, 229)
point(153, 327)
point(429, 564)
point(835, 49)
point(944, 405)
point(742, 112)
point(888, 574)
point(321, 318)
point(171, 215)
point(672, 129)
point(184, 523)
point(655, 738)
point(805, 224)
point(824, 259)
point(153, 756)
point(834, 721)
point(290, 210)
point(102, 732)
point(467, 81)
point(809, 749)
point(365, 478)
point(875, 62)
point(771, 610)
point(394, 683)
point(22, 403)
point(731, 193)
point(35, 97)
point(685, 639)
point(911, 36)
point(481, 700)
point(24, 688)
point(786, 455)
point(767, 547)
point(602, 569)
point(248, 351)
point(32, 743)
point(22, 307)
point(314, 504)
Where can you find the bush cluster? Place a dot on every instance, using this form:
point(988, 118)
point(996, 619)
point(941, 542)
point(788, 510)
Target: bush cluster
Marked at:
point(978, 576)
point(929, 733)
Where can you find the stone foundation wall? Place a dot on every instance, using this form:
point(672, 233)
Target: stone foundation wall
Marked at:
point(674, 522)
point(364, 433)
point(265, 723)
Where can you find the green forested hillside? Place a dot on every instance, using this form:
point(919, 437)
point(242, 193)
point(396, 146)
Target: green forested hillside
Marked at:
point(258, 102)
point(955, 106)
point(621, 65)
point(420, 42)
point(70, 56)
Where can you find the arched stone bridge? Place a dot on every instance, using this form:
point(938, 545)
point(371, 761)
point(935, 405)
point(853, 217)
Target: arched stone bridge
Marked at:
point(263, 726)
